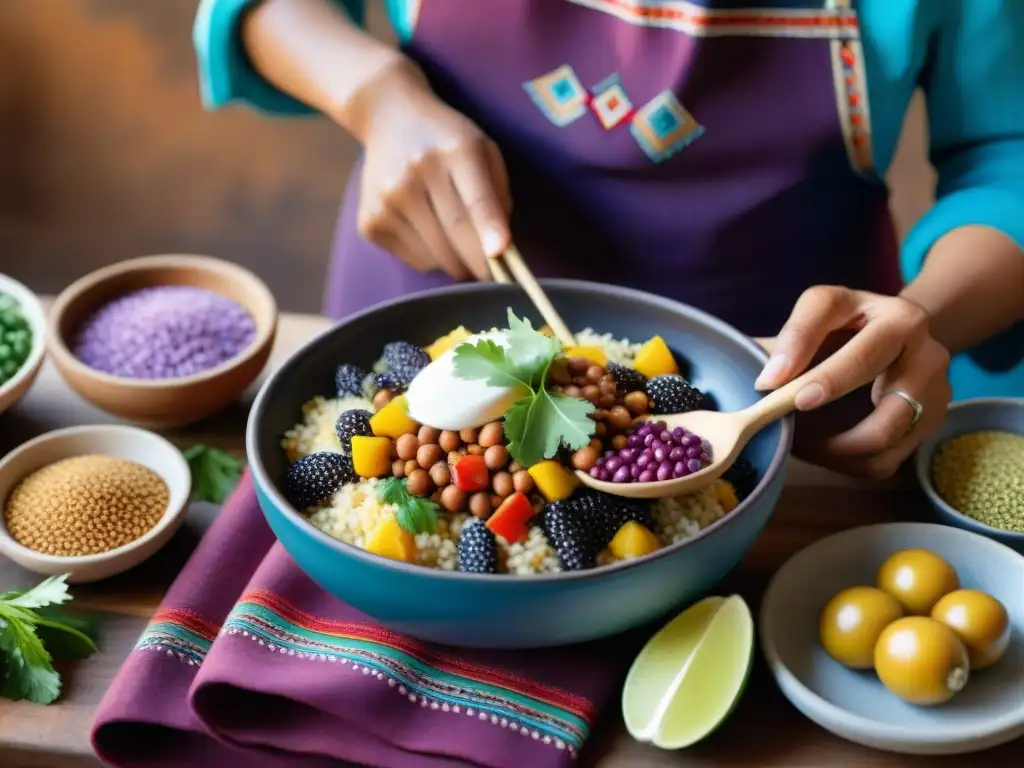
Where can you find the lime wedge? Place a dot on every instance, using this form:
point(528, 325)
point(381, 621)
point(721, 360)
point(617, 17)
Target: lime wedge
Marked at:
point(689, 676)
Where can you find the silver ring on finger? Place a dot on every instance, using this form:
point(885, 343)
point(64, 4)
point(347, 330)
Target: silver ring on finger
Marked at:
point(913, 402)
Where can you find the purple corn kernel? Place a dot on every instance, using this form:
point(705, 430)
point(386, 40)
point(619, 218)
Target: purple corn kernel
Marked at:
point(647, 476)
point(644, 459)
point(689, 440)
point(664, 471)
point(660, 426)
point(635, 471)
point(705, 457)
point(655, 444)
point(627, 454)
point(677, 453)
point(694, 465)
point(648, 439)
point(621, 475)
point(613, 463)
point(679, 433)
point(693, 452)
point(665, 436)
point(680, 470)
point(661, 454)
point(635, 440)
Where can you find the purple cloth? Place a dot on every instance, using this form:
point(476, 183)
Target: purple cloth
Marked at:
point(738, 222)
point(203, 690)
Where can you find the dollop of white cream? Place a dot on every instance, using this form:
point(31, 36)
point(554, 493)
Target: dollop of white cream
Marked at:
point(440, 399)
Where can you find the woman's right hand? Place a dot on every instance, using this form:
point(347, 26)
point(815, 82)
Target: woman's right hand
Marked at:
point(435, 189)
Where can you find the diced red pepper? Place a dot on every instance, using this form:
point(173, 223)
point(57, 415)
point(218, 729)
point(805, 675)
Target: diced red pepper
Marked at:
point(470, 474)
point(512, 519)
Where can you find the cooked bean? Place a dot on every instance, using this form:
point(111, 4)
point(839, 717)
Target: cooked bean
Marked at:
point(392, 449)
point(607, 399)
point(491, 434)
point(453, 498)
point(440, 474)
point(514, 467)
point(620, 417)
point(382, 398)
point(480, 505)
point(468, 436)
point(428, 435)
point(502, 484)
point(496, 500)
point(591, 393)
point(578, 365)
point(496, 457)
point(454, 456)
point(594, 374)
point(522, 481)
point(411, 466)
point(398, 468)
point(636, 402)
point(619, 442)
point(449, 441)
point(600, 429)
point(571, 391)
point(406, 446)
point(559, 372)
point(597, 445)
point(476, 450)
point(419, 483)
point(428, 455)
point(585, 458)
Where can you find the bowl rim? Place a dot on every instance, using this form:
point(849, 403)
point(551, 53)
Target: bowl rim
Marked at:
point(170, 516)
point(66, 359)
point(790, 684)
point(926, 454)
point(32, 309)
point(263, 483)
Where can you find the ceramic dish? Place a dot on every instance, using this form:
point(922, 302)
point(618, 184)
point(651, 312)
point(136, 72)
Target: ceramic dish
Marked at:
point(122, 442)
point(501, 611)
point(13, 390)
point(855, 705)
point(1003, 414)
point(163, 403)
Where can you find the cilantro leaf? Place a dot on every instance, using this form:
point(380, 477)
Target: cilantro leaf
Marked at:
point(485, 361)
point(65, 636)
point(29, 674)
point(413, 513)
point(538, 425)
point(521, 429)
point(51, 591)
point(215, 473)
point(569, 419)
point(530, 351)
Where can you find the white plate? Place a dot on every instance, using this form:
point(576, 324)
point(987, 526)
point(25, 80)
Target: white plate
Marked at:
point(855, 705)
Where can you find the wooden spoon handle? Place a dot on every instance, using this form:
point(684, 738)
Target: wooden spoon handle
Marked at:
point(775, 404)
point(522, 274)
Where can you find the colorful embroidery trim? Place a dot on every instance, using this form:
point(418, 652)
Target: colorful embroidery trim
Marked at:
point(180, 633)
point(852, 98)
point(691, 19)
point(661, 127)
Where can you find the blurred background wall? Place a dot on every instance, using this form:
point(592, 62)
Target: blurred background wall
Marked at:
point(106, 154)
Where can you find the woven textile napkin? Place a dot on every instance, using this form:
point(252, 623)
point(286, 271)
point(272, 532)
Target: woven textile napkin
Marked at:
point(247, 658)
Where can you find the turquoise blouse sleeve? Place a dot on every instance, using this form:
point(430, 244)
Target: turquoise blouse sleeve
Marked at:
point(974, 85)
point(225, 72)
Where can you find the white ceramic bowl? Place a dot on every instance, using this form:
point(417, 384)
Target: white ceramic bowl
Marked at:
point(12, 391)
point(122, 442)
point(855, 705)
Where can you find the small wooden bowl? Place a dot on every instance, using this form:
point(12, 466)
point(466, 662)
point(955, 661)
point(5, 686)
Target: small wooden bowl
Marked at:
point(13, 390)
point(119, 441)
point(163, 403)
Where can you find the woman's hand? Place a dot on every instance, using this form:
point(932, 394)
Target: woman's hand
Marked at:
point(434, 187)
point(890, 346)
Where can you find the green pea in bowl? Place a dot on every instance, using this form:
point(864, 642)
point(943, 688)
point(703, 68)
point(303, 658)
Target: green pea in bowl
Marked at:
point(972, 469)
point(22, 340)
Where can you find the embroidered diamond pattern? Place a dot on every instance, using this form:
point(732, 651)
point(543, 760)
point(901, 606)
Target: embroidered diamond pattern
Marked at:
point(612, 106)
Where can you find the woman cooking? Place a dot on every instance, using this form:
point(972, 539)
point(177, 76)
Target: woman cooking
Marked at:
point(723, 153)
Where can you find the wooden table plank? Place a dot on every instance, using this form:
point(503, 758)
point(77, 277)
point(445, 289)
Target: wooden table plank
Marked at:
point(764, 731)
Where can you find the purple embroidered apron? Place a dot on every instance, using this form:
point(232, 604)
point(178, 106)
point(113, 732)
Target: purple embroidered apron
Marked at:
point(717, 156)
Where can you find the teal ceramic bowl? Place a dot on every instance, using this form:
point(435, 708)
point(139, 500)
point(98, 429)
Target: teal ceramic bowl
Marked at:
point(508, 611)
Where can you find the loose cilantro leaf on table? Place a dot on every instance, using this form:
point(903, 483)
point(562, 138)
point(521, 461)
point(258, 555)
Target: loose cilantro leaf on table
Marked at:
point(32, 632)
point(542, 421)
point(413, 513)
point(215, 473)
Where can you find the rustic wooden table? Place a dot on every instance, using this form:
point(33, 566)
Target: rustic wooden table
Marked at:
point(764, 731)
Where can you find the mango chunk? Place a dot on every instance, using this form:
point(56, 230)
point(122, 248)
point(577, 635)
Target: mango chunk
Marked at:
point(446, 342)
point(655, 359)
point(553, 480)
point(389, 539)
point(371, 456)
point(725, 494)
point(393, 420)
point(633, 540)
point(596, 355)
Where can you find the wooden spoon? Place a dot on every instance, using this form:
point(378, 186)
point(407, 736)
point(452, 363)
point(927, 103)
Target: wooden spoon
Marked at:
point(728, 434)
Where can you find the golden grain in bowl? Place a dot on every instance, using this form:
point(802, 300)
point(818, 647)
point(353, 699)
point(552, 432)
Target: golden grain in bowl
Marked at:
point(91, 501)
point(163, 341)
point(22, 340)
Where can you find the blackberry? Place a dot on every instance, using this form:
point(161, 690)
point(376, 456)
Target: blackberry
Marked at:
point(743, 477)
point(628, 379)
point(348, 380)
point(350, 424)
point(313, 478)
point(604, 514)
point(388, 380)
point(478, 551)
point(674, 394)
point(404, 360)
point(570, 535)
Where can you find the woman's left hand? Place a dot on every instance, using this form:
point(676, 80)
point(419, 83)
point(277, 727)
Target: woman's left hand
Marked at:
point(889, 347)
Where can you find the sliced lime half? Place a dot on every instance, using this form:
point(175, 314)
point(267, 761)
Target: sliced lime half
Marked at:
point(689, 676)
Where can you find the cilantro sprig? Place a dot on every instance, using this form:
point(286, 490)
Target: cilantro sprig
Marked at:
point(413, 513)
point(215, 473)
point(541, 421)
point(33, 632)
